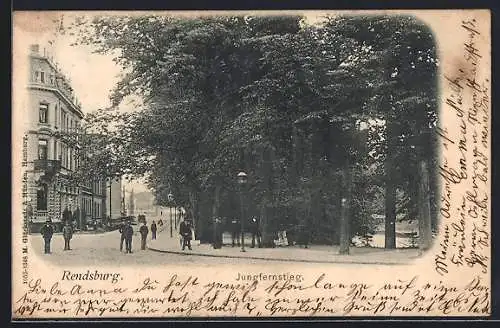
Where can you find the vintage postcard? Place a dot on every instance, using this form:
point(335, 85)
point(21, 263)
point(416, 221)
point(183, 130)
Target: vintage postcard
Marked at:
point(251, 164)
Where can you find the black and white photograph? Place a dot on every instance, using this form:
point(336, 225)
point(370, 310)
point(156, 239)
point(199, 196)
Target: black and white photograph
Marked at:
point(209, 141)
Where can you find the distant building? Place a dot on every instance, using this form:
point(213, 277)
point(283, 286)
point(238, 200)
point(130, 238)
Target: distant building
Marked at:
point(114, 198)
point(144, 203)
point(131, 204)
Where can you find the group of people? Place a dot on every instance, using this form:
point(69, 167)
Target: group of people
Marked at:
point(125, 229)
point(127, 233)
point(253, 226)
point(47, 231)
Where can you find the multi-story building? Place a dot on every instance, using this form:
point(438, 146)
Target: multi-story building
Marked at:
point(48, 157)
point(93, 200)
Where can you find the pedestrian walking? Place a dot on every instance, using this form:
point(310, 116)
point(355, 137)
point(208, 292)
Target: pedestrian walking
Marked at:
point(144, 234)
point(129, 232)
point(186, 233)
point(47, 231)
point(153, 230)
point(123, 225)
point(255, 231)
point(235, 232)
point(67, 234)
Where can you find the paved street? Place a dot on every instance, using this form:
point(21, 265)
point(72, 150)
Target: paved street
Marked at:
point(103, 249)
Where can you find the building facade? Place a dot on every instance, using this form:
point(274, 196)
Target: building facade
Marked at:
point(113, 199)
point(53, 111)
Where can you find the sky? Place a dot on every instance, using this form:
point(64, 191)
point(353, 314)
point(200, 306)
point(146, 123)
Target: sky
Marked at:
point(92, 76)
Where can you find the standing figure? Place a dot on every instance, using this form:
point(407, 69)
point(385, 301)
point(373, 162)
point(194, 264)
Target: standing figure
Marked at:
point(153, 230)
point(129, 232)
point(67, 234)
point(122, 234)
point(47, 231)
point(255, 231)
point(144, 234)
point(186, 233)
point(217, 237)
point(235, 231)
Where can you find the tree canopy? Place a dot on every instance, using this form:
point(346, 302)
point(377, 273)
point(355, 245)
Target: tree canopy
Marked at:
point(292, 104)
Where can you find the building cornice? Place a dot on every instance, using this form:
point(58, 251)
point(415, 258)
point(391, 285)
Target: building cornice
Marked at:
point(43, 87)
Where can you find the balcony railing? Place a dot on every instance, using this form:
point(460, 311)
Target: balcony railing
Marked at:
point(47, 165)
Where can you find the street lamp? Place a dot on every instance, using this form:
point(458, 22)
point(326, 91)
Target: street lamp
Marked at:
point(242, 181)
point(170, 199)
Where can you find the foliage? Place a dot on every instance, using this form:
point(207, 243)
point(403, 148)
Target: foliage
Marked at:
point(282, 100)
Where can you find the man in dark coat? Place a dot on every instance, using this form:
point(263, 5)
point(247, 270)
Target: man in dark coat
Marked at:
point(185, 232)
point(235, 227)
point(144, 234)
point(153, 230)
point(122, 234)
point(255, 231)
point(47, 231)
point(217, 233)
point(129, 232)
point(67, 234)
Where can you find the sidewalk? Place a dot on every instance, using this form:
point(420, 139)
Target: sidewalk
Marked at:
point(314, 254)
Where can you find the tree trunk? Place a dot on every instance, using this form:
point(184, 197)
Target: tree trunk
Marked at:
point(267, 236)
point(390, 190)
point(193, 209)
point(216, 200)
point(424, 211)
point(267, 239)
point(344, 230)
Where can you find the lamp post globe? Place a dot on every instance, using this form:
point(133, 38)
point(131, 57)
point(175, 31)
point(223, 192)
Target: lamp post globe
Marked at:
point(242, 179)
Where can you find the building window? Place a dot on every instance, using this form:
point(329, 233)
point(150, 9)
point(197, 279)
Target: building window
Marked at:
point(63, 155)
point(52, 79)
point(42, 149)
point(68, 158)
point(43, 113)
point(42, 77)
point(36, 76)
point(63, 120)
point(56, 111)
point(41, 198)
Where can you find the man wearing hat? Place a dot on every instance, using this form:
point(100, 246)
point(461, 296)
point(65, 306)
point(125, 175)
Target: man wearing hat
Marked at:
point(67, 234)
point(121, 230)
point(47, 231)
point(186, 233)
point(129, 232)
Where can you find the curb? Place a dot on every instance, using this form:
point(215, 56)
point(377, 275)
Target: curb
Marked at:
point(270, 258)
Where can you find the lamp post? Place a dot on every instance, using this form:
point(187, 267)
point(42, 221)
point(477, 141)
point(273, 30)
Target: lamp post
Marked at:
point(242, 181)
point(170, 199)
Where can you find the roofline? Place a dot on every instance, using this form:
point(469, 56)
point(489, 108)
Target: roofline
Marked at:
point(56, 69)
point(73, 107)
